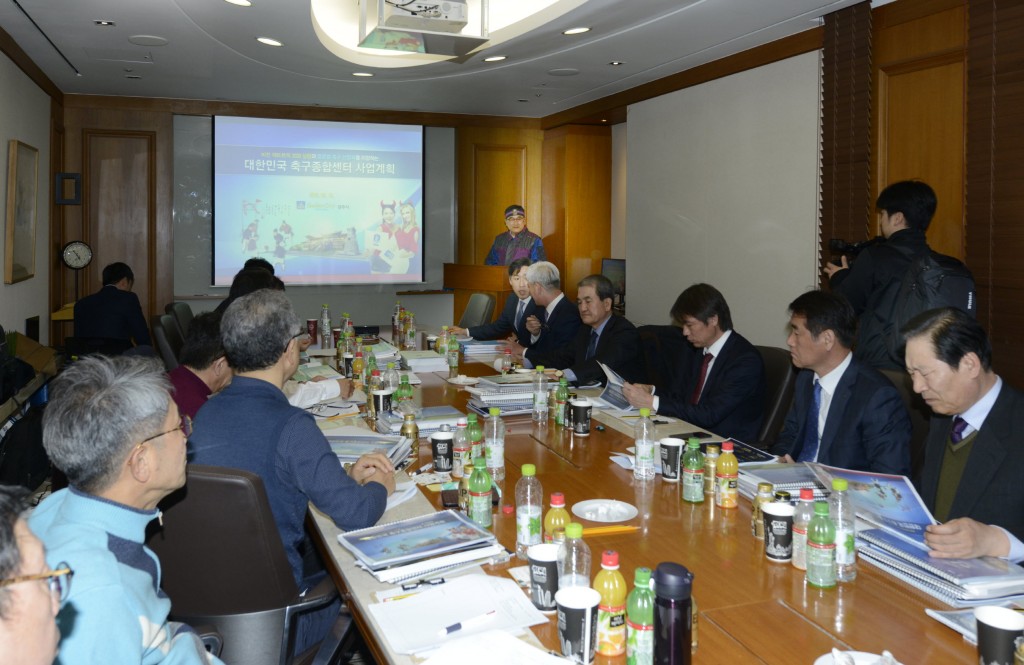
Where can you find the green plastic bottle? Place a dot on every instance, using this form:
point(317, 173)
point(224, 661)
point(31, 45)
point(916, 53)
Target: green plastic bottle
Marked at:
point(475, 434)
point(561, 399)
point(453, 357)
point(693, 472)
point(821, 548)
point(640, 620)
point(480, 494)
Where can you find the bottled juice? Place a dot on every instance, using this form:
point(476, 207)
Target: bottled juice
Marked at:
point(710, 466)
point(611, 611)
point(726, 478)
point(557, 516)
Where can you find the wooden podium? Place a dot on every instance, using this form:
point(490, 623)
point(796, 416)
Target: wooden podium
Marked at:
point(465, 280)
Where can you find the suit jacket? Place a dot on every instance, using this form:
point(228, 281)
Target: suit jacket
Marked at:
point(506, 322)
point(991, 490)
point(558, 331)
point(868, 428)
point(618, 347)
point(113, 314)
point(732, 402)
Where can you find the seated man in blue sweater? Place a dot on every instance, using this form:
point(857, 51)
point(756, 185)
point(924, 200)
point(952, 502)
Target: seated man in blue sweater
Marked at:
point(114, 430)
point(251, 426)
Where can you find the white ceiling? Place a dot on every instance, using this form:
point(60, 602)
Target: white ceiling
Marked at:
point(211, 53)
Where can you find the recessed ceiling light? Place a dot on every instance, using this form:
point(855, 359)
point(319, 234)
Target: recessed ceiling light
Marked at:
point(105, 24)
point(616, 63)
point(132, 76)
point(268, 41)
point(240, 3)
point(495, 58)
point(363, 74)
point(604, 120)
point(523, 100)
point(575, 31)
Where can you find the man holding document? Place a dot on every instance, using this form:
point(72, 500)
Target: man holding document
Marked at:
point(973, 454)
point(724, 389)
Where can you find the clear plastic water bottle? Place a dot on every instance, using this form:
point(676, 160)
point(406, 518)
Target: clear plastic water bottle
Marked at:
point(573, 558)
point(453, 356)
point(801, 521)
point(461, 448)
point(441, 345)
point(529, 500)
point(324, 327)
point(841, 512)
point(396, 316)
point(506, 361)
point(494, 444)
point(392, 378)
point(348, 328)
point(410, 332)
point(643, 440)
point(540, 396)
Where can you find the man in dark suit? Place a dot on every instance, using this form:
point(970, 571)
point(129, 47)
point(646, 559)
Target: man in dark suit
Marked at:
point(518, 307)
point(974, 456)
point(113, 312)
point(722, 387)
point(844, 413)
point(605, 337)
point(554, 321)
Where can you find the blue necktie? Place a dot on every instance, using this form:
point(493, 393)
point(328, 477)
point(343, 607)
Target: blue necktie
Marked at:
point(592, 347)
point(957, 435)
point(519, 313)
point(811, 441)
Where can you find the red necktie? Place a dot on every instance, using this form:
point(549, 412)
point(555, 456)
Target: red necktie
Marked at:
point(703, 376)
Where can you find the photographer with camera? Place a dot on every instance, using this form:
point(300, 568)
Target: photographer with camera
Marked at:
point(871, 284)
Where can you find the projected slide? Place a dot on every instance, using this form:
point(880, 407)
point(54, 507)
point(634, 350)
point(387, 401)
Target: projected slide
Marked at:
point(324, 202)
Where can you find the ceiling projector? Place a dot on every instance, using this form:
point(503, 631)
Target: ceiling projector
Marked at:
point(443, 16)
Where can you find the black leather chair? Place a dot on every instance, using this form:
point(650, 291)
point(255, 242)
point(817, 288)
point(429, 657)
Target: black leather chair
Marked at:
point(780, 376)
point(182, 313)
point(663, 351)
point(479, 310)
point(167, 338)
point(920, 416)
point(224, 566)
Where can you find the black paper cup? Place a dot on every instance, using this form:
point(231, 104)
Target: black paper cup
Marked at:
point(443, 449)
point(543, 562)
point(671, 459)
point(778, 531)
point(581, 410)
point(577, 622)
point(998, 627)
point(381, 401)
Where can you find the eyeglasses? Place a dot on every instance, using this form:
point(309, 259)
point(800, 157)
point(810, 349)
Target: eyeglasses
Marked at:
point(58, 580)
point(185, 426)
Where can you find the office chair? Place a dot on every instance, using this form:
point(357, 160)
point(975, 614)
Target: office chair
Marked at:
point(478, 311)
point(224, 566)
point(167, 339)
point(920, 416)
point(663, 351)
point(182, 314)
point(780, 379)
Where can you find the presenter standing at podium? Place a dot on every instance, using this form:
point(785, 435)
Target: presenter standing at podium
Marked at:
point(516, 243)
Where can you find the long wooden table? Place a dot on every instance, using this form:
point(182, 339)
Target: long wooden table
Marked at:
point(751, 610)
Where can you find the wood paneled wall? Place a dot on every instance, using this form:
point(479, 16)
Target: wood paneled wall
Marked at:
point(577, 200)
point(919, 52)
point(497, 167)
point(125, 158)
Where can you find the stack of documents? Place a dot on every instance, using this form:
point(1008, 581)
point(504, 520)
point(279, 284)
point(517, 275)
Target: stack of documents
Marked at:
point(473, 347)
point(350, 447)
point(423, 361)
point(428, 421)
point(385, 353)
point(420, 546)
point(788, 477)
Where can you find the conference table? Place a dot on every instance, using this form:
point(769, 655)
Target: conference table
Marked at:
point(750, 610)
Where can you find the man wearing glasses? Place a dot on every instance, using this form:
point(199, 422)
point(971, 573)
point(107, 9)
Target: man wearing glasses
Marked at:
point(30, 591)
point(114, 430)
point(516, 243)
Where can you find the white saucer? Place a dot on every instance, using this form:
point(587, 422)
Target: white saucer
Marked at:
point(464, 380)
point(859, 658)
point(605, 510)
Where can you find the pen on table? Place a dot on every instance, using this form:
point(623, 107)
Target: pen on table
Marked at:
point(468, 623)
point(422, 469)
point(609, 530)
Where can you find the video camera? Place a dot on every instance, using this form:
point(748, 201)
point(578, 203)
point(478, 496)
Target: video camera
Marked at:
point(840, 246)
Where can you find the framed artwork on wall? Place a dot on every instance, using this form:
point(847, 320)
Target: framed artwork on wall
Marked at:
point(22, 188)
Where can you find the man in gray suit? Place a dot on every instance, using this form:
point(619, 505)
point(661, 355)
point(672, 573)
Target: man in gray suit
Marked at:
point(973, 455)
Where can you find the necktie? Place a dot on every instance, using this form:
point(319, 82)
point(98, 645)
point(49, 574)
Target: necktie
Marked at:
point(704, 364)
point(811, 440)
point(519, 313)
point(592, 347)
point(959, 425)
